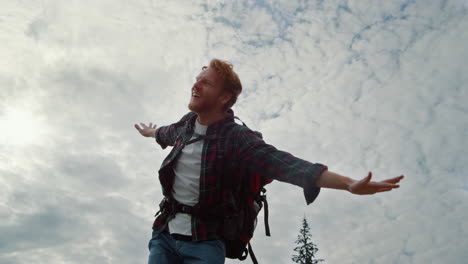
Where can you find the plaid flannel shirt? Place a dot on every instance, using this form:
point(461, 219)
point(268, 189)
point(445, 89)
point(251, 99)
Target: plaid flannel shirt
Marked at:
point(234, 154)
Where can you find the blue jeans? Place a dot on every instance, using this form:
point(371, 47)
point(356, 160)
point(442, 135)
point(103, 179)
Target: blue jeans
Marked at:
point(164, 249)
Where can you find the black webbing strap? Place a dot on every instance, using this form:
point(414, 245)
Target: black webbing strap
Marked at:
point(240, 121)
point(186, 209)
point(201, 137)
point(265, 212)
point(252, 255)
point(173, 207)
point(244, 255)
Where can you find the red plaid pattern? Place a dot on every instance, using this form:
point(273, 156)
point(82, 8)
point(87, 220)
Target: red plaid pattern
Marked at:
point(234, 156)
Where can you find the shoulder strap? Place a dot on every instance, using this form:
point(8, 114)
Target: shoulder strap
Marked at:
point(265, 211)
point(235, 117)
point(200, 138)
point(252, 255)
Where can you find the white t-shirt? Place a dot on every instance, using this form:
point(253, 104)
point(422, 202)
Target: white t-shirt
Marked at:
point(186, 187)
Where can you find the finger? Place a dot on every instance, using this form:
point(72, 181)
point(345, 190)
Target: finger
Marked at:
point(394, 180)
point(367, 178)
point(383, 185)
point(143, 125)
point(151, 125)
point(137, 127)
point(379, 185)
point(154, 126)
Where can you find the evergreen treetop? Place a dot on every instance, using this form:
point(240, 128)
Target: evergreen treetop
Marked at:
point(306, 249)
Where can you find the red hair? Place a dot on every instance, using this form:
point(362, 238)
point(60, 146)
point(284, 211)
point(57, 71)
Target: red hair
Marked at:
point(231, 82)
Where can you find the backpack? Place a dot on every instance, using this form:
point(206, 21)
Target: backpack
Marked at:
point(239, 227)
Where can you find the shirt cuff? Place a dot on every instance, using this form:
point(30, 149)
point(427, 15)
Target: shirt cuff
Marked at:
point(312, 191)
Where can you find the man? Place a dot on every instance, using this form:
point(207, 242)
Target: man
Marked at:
point(209, 148)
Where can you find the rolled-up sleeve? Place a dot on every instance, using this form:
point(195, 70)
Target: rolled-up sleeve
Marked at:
point(272, 164)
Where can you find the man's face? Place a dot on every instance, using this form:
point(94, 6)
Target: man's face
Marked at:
point(207, 92)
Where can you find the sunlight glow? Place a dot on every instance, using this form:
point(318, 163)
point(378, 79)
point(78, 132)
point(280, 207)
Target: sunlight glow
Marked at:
point(19, 127)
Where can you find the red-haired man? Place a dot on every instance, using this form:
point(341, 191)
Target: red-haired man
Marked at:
point(195, 172)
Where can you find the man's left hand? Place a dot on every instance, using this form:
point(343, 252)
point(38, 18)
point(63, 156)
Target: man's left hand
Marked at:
point(366, 186)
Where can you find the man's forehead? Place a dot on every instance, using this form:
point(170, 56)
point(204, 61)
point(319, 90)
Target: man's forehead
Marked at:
point(207, 71)
point(203, 72)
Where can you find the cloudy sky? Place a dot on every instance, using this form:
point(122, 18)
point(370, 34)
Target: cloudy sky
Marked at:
point(357, 85)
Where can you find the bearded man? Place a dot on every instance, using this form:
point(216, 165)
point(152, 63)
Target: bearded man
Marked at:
point(209, 148)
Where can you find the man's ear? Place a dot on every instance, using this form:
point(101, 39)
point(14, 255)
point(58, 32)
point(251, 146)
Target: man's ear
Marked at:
point(225, 97)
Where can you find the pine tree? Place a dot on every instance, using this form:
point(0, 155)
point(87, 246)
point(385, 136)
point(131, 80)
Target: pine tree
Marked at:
point(306, 249)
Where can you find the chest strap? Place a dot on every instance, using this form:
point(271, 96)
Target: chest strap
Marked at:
point(172, 207)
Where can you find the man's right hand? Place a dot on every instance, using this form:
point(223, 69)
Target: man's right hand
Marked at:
point(146, 131)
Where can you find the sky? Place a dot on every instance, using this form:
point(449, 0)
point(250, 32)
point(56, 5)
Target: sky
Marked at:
point(357, 85)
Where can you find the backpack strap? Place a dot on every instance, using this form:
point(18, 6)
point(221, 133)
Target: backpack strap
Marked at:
point(265, 211)
point(172, 206)
point(252, 255)
point(201, 137)
point(235, 117)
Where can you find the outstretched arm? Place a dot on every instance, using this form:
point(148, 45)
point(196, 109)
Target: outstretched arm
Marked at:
point(265, 162)
point(164, 135)
point(364, 186)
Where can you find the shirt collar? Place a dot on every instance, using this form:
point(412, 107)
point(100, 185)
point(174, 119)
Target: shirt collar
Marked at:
point(213, 128)
point(220, 123)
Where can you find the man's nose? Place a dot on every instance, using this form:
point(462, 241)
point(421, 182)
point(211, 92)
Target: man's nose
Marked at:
point(196, 86)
